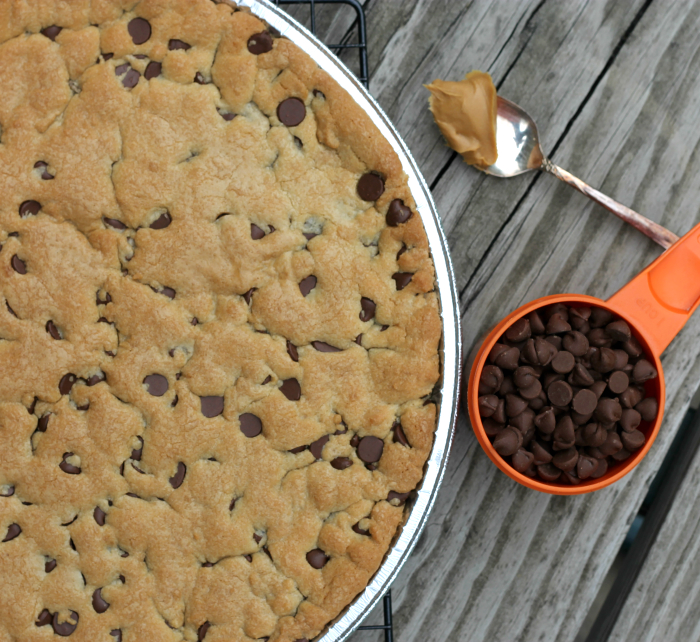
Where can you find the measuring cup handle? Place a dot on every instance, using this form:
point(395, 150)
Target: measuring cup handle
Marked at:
point(661, 298)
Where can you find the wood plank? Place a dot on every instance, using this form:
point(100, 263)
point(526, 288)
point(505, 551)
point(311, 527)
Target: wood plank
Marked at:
point(666, 597)
point(497, 561)
point(640, 565)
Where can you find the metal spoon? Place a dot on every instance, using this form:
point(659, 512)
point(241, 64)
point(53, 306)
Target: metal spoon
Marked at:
point(519, 151)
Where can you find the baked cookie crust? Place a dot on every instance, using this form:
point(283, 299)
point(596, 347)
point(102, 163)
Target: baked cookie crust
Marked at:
point(219, 329)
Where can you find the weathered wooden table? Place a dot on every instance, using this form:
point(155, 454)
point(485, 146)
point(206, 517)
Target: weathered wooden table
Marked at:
point(615, 90)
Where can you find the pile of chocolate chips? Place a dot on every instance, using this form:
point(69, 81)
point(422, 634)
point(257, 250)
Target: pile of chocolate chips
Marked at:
point(563, 397)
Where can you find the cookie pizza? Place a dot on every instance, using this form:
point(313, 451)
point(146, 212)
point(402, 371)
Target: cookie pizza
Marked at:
point(219, 331)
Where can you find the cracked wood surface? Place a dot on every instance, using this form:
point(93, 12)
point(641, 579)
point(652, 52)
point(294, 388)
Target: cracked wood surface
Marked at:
point(614, 89)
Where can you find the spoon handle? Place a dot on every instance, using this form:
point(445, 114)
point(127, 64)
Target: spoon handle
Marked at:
point(653, 230)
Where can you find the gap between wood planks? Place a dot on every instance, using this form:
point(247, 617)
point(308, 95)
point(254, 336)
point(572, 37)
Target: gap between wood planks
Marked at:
point(611, 60)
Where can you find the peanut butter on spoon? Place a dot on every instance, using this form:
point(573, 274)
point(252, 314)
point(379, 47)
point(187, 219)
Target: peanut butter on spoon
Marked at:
point(465, 112)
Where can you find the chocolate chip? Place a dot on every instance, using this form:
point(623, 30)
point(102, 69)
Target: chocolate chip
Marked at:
point(153, 70)
point(612, 444)
point(631, 397)
point(18, 265)
point(643, 370)
point(324, 347)
point(608, 411)
point(557, 324)
point(45, 173)
point(98, 602)
point(341, 463)
point(538, 352)
point(260, 43)
point(400, 435)
point(522, 460)
point(519, 331)
point(576, 343)
point(43, 422)
point(179, 476)
point(96, 378)
point(291, 389)
point(212, 406)
point(227, 116)
point(487, 405)
point(67, 467)
point(633, 348)
point(131, 79)
point(397, 499)
point(99, 516)
point(317, 558)
point(13, 531)
point(514, 405)
point(594, 435)
point(368, 309)
point(631, 418)
point(370, 449)
point(66, 383)
point(566, 460)
point(291, 112)
point(564, 434)
point(256, 232)
point(169, 292)
point(370, 187)
point(162, 221)
point(307, 284)
point(586, 466)
point(136, 453)
point(490, 380)
point(633, 440)
point(599, 338)
point(292, 351)
point(251, 426)
point(175, 44)
point(29, 208)
point(116, 634)
point(45, 617)
point(648, 408)
point(504, 356)
point(581, 376)
point(618, 382)
point(398, 213)
point(139, 30)
point(114, 223)
point(618, 330)
point(563, 362)
point(603, 360)
point(549, 472)
point(200, 79)
point(584, 402)
point(202, 631)
point(53, 330)
point(508, 441)
point(560, 393)
point(359, 531)
point(49, 566)
point(546, 421)
point(599, 317)
point(156, 384)
point(66, 627)
point(51, 32)
point(402, 279)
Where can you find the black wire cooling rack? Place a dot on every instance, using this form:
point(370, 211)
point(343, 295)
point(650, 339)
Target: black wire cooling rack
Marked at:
point(359, 27)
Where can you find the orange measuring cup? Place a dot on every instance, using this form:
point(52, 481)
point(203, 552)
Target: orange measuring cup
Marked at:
point(656, 304)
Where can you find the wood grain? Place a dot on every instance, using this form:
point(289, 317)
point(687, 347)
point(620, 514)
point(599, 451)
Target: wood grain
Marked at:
point(614, 88)
point(665, 600)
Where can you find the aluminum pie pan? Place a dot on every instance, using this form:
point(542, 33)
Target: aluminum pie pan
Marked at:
point(451, 345)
